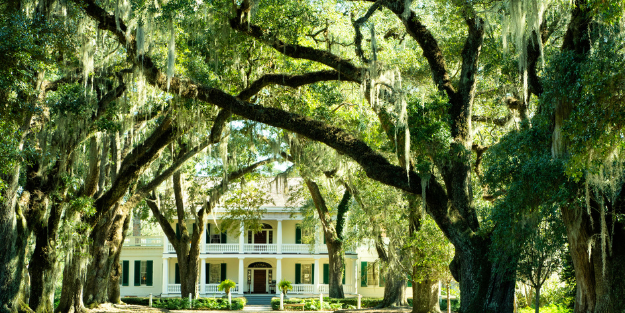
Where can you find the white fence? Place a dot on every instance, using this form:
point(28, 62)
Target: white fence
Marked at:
point(295, 248)
point(222, 248)
point(348, 289)
point(324, 288)
point(212, 289)
point(260, 248)
point(208, 289)
point(143, 241)
point(302, 288)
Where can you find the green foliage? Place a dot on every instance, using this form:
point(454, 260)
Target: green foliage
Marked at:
point(329, 304)
point(226, 285)
point(183, 303)
point(554, 308)
point(284, 286)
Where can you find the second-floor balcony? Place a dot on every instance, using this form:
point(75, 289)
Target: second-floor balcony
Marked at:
point(230, 248)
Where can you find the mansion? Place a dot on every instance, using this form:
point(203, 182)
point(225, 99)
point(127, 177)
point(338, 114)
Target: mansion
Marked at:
point(255, 262)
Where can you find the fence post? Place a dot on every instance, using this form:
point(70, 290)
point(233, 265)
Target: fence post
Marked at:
point(321, 301)
point(281, 301)
point(359, 300)
point(190, 303)
point(150, 300)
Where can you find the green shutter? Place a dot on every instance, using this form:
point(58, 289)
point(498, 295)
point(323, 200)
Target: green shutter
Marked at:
point(324, 238)
point(125, 274)
point(208, 233)
point(149, 269)
point(193, 229)
point(326, 273)
point(249, 237)
point(409, 281)
point(224, 237)
point(363, 274)
point(312, 272)
point(137, 273)
point(177, 274)
point(223, 271)
point(208, 273)
point(178, 231)
point(381, 280)
point(298, 234)
point(298, 273)
point(343, 273)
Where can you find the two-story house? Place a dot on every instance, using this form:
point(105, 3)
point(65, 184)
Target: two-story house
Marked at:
point(254, 261)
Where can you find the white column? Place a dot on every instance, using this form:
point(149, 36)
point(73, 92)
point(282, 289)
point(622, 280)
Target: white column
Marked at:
point(241, 276)
point(203, 276)
point(165, 243)
point(279, 236)
point(203, 241)
point(316, 277)
point(355, 276)
point(278, 272)
point(318, 240)
point(165, 275)
point(241, 238)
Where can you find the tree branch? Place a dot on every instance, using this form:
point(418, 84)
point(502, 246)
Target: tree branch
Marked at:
point(292, 81)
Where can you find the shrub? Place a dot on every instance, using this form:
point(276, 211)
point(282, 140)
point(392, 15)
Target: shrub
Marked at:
point(183, 303)
point(329, 304)
point(552, 308)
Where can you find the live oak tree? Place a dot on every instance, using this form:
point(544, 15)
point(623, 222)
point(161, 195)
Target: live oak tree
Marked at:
point(243, 49)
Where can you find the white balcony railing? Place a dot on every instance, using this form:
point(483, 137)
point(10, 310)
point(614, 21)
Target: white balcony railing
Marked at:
point(322, 249)
point(222, 248)
point(173, 288)
point(170, 248)
point(324, 288)
point(260, 248)
point(212, 289)
point(295, 248)
point(348, 289)
point(302, 288)
point(143, 241)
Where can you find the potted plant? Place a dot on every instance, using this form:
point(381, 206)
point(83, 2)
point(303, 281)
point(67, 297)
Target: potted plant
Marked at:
point(226, 285)
point(285, 286)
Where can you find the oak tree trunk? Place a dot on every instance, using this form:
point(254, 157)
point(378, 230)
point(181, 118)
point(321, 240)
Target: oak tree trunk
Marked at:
point(425, 297)
point(394, 290)
point(335, 260)
point(73, 281)
point(596, 291)
point(43, 267)
point(114, 294)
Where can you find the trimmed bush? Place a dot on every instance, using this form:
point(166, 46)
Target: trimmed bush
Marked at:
point(183, 303)
point(329, 304)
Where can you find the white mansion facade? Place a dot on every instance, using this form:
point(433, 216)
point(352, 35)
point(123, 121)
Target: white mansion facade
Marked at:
point(254, 261)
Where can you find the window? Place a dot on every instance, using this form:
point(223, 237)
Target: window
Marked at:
point(215, 273)
point(143, 273)
point(369, 274)
point(125, 273)
point(373, 274)
point(306, 273)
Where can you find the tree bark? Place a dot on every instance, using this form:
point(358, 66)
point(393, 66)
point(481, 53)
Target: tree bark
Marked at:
point(43, 267)
point(114, 294)
point(335, 265)
point(394, 290)
point(425, 297)
point(73, 280)
point(596, 291)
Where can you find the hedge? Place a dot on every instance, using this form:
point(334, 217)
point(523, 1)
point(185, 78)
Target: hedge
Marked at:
point(183, 303)
point(331, 304)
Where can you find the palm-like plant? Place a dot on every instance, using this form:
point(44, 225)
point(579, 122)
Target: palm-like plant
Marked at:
point(284, 286)
point(226, 285)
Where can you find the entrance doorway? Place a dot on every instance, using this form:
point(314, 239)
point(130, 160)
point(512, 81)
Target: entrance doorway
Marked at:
point(260, 278)
point(260, 281)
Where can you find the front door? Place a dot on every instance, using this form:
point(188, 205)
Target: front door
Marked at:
point(260, 237)
point(260, 281)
